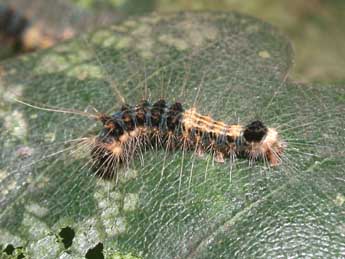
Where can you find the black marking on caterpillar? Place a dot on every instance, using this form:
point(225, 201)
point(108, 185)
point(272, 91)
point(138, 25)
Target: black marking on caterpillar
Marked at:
point(136, 128)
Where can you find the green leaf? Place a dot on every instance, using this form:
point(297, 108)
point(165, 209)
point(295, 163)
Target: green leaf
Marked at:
point(174, 205)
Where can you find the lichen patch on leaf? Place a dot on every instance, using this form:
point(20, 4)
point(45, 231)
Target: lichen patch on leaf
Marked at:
point(16, 125)
point(36, 209)
point(45, 248)
point(264, 54)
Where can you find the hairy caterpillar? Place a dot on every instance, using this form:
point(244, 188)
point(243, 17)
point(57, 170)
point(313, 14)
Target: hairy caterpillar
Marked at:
point(133, 129)
point(172, 127)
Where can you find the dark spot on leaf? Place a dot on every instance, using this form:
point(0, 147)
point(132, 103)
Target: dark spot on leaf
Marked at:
point(9, 249)
point(67, 234)
point(21, 256)
point(96, 252)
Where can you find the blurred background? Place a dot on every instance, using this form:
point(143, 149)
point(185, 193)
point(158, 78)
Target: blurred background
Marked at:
point(315, 27)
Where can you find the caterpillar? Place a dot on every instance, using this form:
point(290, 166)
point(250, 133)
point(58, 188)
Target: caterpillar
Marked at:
point(135, 128)
point(18, 31)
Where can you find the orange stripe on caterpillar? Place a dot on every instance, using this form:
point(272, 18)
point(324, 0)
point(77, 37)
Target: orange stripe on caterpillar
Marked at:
point(192, 119)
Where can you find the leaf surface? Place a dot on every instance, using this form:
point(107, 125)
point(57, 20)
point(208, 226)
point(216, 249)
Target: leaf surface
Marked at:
point(174, 205)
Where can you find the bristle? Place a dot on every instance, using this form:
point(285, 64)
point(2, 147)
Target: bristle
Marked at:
point(101, 117)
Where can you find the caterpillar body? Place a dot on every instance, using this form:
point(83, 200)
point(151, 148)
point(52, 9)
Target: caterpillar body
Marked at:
point(125, 133)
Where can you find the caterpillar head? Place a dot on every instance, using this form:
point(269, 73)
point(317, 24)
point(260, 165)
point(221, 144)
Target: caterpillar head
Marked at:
point(264, 142)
